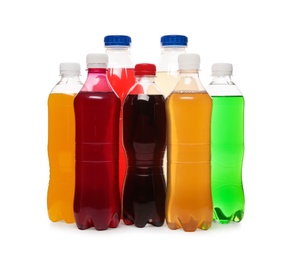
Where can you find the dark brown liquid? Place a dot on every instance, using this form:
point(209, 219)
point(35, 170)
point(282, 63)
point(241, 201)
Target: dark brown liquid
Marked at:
point(144, 138)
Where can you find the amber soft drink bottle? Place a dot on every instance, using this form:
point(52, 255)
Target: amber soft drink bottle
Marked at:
point(121, 76)
point(188, 109)
point(227, 145)
point(61, 143)
point(144, 139)
point(97, 108)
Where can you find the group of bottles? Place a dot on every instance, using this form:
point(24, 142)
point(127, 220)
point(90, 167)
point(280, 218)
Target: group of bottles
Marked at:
point(145, 143)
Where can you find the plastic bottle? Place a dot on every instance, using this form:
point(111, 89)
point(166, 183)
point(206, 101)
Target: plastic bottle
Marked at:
point(167, 66)
point(227, 145)
point(122, 77)
point(144, 138)
point(97, 107)
point(188, 109)
point(61, 143)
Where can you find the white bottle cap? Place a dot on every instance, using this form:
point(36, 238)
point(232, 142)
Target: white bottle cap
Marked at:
point(221, 69)
point(71, 68)
point(189, 61)
point(97, 60)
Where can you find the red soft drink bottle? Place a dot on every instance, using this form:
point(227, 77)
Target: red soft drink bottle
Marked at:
point(121, 76)
point(97, 107)
point(144, 139)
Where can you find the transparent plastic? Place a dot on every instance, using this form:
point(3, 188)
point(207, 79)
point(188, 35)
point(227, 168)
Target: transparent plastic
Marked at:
point(144, 139)
point(227, 148)
point(167, 68)
point(167, 65)
point(121, 76)
point(61, 144)
point(188, 196)
point(97, 109)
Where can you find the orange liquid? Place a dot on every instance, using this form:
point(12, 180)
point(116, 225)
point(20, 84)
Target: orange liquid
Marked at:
point(188, 198)
point(61, 152)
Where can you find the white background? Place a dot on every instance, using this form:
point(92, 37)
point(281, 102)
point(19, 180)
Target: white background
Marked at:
point(253, 35)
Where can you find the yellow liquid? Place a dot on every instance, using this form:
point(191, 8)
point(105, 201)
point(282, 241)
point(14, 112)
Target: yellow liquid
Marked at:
point(188, 198)
point(61, 152)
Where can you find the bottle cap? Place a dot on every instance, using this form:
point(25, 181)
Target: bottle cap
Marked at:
point(221, 69)
point(142, 69)
point(189, 61)
point(97, 60)
point(71, 68)
point(174, 40)
point(117, 40)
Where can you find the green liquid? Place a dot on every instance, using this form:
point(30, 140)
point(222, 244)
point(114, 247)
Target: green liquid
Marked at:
point(227, 150)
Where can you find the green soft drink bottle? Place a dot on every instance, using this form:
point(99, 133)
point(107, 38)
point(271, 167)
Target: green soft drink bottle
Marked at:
point(227, 145)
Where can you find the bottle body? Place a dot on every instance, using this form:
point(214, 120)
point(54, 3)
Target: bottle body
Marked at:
point(144, 139)
point(97, 108)
point(61, 149)
point(188, 196)
point(188, 201)
point(168, 70)
point(227, 148)
point(122, 77)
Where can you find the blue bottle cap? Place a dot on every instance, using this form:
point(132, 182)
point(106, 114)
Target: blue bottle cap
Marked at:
point(170, 40)
point(117, 40)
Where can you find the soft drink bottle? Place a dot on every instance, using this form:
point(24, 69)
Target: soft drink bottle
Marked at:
point(188, 109)
point(121, 76)
point(144, 139)
point(227, 145)
point(61, 143)
point(167, 67)
point(97, 107)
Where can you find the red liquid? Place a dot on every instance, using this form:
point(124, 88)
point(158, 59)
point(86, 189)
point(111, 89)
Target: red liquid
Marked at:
point(121, 80)
point(97, 200)
point(144, 137)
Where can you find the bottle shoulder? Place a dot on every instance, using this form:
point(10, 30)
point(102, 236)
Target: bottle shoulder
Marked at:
point(68, 86)
point(223, 90)
point(189, 83)
point(145, 88)
point(168, 59)
point(120, 59)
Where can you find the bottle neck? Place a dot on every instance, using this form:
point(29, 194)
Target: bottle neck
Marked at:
point(145, 79)
point(171, 49)
point(118, 49)
point(68, 79)
point(69, 75)
point(96, 70)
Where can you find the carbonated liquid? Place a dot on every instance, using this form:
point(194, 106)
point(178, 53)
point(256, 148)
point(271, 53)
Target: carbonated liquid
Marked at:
point(144, 136)
point(121, 80)
point(227, 146)
point(61, 151)
point(97, 200)
point(188, 199)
